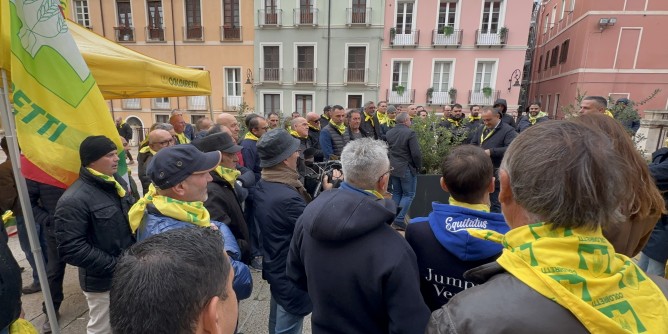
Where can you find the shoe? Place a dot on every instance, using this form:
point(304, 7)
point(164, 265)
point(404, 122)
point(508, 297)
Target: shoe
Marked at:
point(397, 227)
point(256, 263)
point(46, 326)
point(32, 288)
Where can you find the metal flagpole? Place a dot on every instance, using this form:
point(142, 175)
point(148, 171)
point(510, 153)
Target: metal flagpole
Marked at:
point(22, 189)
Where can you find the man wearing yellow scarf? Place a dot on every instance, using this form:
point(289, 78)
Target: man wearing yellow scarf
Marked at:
point(91, 225)
point(371, 126)
point(334, 136)
point(179, 176)
point(157, 140)
point(557, 273)
point(257, 126)
point(536, 115)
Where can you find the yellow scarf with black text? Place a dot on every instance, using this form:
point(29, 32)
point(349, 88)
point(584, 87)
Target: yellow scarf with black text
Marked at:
point(189, 212)
point(580, 271)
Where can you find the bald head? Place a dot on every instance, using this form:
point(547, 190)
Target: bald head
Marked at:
point(178, 123)
point(230, 122)
point(159, 139)
point(312, 116)
point(119, 120)
point(300, 125)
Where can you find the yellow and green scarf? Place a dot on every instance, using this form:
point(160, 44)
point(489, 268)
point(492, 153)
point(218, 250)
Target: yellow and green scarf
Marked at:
point(608, 113)
point(382, 118)
point(316, 128)
point(391, 123)
point(251, 136)
point(182, 138)
point(7, 216)
point(368, 118)
point(474, 118)
point(375, 193)
point(476, 207)
point(341, 128)
point(454, 122)
point(296, 135)
point(580, 271)
point(119, 188)
point(189, 212)
point(147, 149)
point(228, 174)
point(533, 119)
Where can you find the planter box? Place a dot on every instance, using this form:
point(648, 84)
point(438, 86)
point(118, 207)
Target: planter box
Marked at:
point(428, 190)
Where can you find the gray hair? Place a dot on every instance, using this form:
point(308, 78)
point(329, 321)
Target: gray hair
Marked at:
point(402, 117)
point(364, 161)
point(391, 108)
point(162, 126)
point(567, 175)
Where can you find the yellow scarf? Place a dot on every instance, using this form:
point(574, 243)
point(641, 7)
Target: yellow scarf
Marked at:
point(454, 122)
point(368, 117)
point(189, 212)
point(119, 188)
point(9, 214)
point(316, 128)
point(580, 271)
point(296, 135)
point(608, 113)
point(22, 326)
point(147, 149)
point(341, 127)
point(391, 123)
point(251, 136)
point(534, 119)
point(375, 193)
point(382, 118)
point(182, 138)
point(476, 207)
point(228, 174)
point(474, 118)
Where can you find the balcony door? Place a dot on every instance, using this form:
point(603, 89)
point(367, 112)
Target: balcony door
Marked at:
point(270, 12)
point(305, 63)
point(356, 64)
point(124, 10)
point(306, 11)
point(154, 10)
point(405, 26)
point(359, 12)
point(193, 19)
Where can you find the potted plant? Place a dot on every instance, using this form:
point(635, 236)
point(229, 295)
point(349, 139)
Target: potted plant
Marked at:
point(430, 93)
point(400, 90)
point(452, 93)
point(503, 31)
point(393, 32)
point(448, 30)
point(487, 91)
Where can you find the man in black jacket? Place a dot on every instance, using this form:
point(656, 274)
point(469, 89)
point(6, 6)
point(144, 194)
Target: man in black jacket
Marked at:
point(502, 106)
point(494, 138)
point(361, 275)
point(92, 226)
point(406, 162)
point(370, 125)
point(125, 131)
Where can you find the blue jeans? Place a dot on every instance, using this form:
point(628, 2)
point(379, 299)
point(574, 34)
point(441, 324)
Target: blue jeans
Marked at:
point(403, 192)
point(651, 266)
point(24, 241)
point(283, 322)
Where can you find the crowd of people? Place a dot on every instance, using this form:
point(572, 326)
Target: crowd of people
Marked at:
point(543, 221)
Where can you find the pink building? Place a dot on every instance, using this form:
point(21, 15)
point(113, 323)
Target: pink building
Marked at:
point(611, 48)
point(433, 48)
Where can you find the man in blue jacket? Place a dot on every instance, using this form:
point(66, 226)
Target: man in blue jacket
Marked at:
point(443, 247)
point(179, 176)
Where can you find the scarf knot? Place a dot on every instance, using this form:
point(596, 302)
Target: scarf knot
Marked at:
point(119, 188)
point(533, 119)
point(251, 136)
point(341, 128)
point(189, 212)
point(228, 174)
point(368, 118)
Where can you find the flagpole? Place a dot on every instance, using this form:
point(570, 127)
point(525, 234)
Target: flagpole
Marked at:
point(22, 189)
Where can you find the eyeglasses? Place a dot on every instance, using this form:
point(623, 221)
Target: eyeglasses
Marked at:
point(265, 128)
point(388, 172)
point(166, 142)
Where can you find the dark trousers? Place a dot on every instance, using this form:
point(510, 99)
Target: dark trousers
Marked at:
point(55, 268)
point(253, 227)
point(24, 241)
point(127, 152)
point(495, 205)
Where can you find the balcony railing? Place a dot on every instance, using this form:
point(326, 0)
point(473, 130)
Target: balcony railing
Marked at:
point(441, 98)
point(305, 75)
point(406, 97)
point(197, 103)
point(358, 16)
point(443, 39)
point(125, 34)
point(134, 104)
point(155, 34)
point(160, 104)
point(305, 16)
point(270, 18)
point(193, 33)
point(355, 75)
point(479, 97)
point(270, 74)
point(232, 102)
point(411, 38)
point(230, 34)
point(491, 38)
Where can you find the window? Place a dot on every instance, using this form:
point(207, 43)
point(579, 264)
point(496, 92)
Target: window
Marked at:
point(161, 103)
point(197, 102)
point(359, 12)
point(540, 63)
point(555, 56)
point(155, 32)
point(354, 101)
point(547, 103)
point(272, 103)
point(547, 60)
point(271, 62)
point(306, 11)
point(81, 13)
point(572, 5)
point(404, 17)
point(400, 70)
point(303, 104)
point(563, 9)
point(131, 104)
point(233, 87)
point(305, 63)
point(193, 20)
point(356, 71)
point(564, 51)
point(231, 26)
point(270, 12)
point(556, 106)
point(447, 13)
point(162, 118)
point(441, 76)
point(546, 23)
point(483, 75)
point(124, 31)
point(554, 16)
point(490, 17)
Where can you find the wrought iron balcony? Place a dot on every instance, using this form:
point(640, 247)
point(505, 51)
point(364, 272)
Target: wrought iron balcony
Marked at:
point(479, 97)
point(405, 96)
point(404, 38)
point(230, 34)
point(442, 37)
point(358, 16)
point(124, 34)
point(305, 16)
point(270, 17)
point(155, 34)
point(485, 38)
point(355, 75)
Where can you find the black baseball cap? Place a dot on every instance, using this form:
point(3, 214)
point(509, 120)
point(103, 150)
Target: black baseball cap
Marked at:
point(171, 165)
point(220, 141)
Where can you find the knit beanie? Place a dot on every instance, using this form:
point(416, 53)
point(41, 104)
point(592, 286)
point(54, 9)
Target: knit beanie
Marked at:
point(95, 147)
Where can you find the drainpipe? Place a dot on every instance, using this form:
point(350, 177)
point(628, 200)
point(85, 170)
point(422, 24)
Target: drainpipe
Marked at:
point(102, 18)
point(329, 44)
point(178, 100)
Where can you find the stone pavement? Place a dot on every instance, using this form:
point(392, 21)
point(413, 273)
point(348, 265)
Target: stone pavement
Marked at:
point(253, 312)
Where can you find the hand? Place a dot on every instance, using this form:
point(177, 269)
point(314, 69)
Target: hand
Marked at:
point(336, 175)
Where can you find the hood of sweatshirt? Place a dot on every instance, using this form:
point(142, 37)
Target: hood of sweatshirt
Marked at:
point(449, 224)
point(342, 214)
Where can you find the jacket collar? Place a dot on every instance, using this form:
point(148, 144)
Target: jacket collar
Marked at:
point(482, 274)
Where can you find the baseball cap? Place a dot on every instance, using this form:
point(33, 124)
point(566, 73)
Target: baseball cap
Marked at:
point(171, 165)
point(220, 141)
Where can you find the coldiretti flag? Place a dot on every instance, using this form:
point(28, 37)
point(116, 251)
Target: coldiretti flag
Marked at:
point(56, 101)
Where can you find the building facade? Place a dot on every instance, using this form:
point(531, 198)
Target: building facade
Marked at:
point(312, 53)
point(438, 52)
point(216, 36)
point(611, 48)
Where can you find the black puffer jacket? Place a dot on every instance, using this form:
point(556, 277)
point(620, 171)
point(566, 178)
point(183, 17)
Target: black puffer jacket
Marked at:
point(10, 283)
point(43, 199)
point(92, 229)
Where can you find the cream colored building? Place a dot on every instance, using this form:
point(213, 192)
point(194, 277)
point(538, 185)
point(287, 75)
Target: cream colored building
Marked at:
point(216, 36)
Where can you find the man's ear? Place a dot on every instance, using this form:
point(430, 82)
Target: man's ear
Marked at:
point(444, 186)
point(490, 187)
point(505, 194)
point(178, 189)
point(209, 317)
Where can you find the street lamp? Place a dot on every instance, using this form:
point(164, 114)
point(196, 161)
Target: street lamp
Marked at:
point(515, 75)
